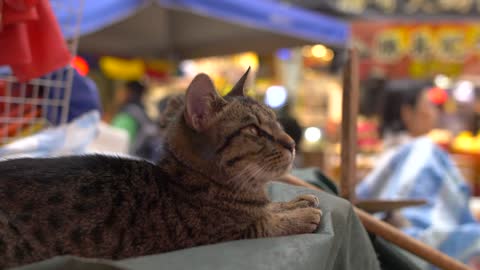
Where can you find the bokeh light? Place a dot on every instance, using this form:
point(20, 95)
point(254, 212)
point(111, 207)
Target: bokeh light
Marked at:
point(276, 96)
point(313, 134)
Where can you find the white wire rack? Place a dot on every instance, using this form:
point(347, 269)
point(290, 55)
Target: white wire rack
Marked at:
point(42, 102)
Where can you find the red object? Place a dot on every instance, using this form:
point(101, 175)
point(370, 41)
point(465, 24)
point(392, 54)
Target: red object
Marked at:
point(21, 5)
point(437, 95)
point(31, 40)
point(18, 11)
point(80, 65)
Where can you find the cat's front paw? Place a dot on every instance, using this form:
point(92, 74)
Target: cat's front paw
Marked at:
point(288, 222)
point(306, 220)
point(302, 201)
point(305, 200)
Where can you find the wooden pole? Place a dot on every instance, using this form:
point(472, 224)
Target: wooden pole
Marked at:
point(350, 100)
point(392, 234)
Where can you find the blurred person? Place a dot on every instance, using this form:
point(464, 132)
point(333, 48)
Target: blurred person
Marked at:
point(133, 118)
point(413, 167)
point(368, 140)
point(371, 92)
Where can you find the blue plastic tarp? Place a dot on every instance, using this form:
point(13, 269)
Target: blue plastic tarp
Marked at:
point(95, 14)
point(266, 15)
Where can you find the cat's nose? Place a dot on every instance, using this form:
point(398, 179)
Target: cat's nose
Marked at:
point(286, 141)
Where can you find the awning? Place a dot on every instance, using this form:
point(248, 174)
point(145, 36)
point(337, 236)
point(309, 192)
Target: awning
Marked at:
point(194, 28)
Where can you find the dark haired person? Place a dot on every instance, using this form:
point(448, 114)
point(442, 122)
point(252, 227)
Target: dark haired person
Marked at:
point(413, 167)
point(133, 118)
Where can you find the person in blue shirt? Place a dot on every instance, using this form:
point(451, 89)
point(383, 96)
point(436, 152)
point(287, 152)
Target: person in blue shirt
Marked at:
point(412, 166)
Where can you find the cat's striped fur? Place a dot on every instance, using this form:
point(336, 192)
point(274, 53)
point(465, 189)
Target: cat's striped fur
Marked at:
point(209, 187)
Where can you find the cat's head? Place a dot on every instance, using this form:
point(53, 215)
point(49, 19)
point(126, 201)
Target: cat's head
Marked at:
point(239, 134)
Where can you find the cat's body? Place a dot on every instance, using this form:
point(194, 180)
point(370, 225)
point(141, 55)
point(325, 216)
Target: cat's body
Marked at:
point(208, 187)
point(119, 208)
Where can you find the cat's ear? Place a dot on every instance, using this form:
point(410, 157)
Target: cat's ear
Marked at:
point(202, 102)
point(239, 88)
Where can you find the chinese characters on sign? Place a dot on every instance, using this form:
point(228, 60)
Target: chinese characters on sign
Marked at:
point(415, 49)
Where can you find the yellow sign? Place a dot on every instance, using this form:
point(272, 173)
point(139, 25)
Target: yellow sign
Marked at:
point(390, 45)
point(419, 50)
point(450, 44)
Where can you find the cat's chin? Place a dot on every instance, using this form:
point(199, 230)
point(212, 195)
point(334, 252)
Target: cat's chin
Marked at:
point(289, 167)
point(281, 172)
point(290, 157)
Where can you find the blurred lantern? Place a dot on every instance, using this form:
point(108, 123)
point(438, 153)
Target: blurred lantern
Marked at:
point(437, 95)
point(80, 65)
point(122, 69)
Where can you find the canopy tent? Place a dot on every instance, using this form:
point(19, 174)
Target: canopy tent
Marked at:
point(194, 28)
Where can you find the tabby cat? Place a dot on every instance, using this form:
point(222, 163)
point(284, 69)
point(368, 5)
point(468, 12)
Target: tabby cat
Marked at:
point(209, 187)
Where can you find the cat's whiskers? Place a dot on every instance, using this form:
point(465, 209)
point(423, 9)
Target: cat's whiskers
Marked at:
point(244, 172)
point(241, 178)
point(251, 172)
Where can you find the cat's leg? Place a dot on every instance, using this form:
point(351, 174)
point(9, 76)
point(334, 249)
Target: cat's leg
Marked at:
point(295, 217)
point(302, 201)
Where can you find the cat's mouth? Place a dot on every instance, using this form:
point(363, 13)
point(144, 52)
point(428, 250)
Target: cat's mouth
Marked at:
point(286, 163)
point(289, 153)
